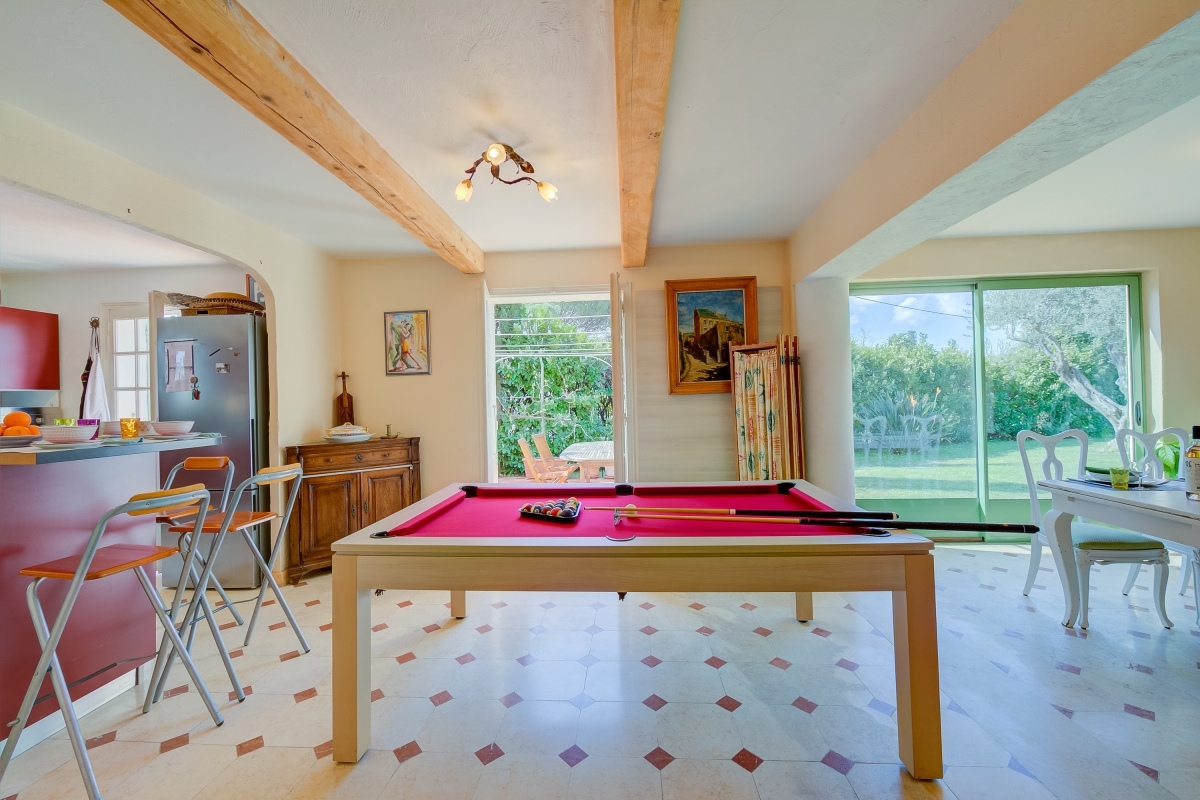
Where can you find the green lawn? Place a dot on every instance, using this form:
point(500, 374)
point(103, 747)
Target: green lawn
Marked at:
point(952, 473)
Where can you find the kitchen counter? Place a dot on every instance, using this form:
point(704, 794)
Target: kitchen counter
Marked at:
point(49, 502)
point(26, 456)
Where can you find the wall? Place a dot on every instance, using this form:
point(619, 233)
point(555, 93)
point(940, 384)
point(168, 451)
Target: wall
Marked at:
point(1167, 260)
point(679, 437)
point(76, 296)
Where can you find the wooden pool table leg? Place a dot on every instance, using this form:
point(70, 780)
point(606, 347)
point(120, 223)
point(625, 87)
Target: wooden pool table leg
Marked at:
point(918, 693)
point(351, 662)
point(804, 606)
point(458, 604)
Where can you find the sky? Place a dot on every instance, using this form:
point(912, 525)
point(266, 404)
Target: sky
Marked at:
point(942, 316)
point(723, 301)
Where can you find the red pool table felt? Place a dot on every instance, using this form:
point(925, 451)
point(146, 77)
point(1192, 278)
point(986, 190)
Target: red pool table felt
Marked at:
point(495, 511)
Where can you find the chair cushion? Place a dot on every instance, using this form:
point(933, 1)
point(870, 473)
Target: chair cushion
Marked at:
point(1086, 536)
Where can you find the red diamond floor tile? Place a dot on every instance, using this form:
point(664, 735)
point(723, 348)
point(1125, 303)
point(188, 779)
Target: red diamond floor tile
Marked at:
point(538, 630)
point(441, 697)
point(312, 603)
point(846, 664)
point(1066, 712)
point(323, 750)
point(887, 709)
point(465, 658)
point(696, 606)
point(547, 605)
point(654, 703)
point(820, 632)
point(649, 630)
point(764, 632)
point(511, 699)
point(749, 606)
point(1149, 772)
point(836, 761)
point(225, 626)
point(246, 690)
point(747, 760)
point(589, 660)
point(488, 754)
point(97, 741)
point(290, 656)
point(780, 662)
point(714, 662)
point(805, 705)
point(404, 658)
point(309, 694)
point(593, 630)
point(582, 701)
point(597, 605)
point(728, 703)
point(276, 626)
point(406, 751)
point(376, 694)
point(484, 628)
point(659, 758)
point(328, 626)
point(237, 653)
point(647, 605)
point(500, 604)
point(432, 627)
point(573, 755)
point(380, 627)
point(177, 690)
point(1065, 667)
point(404, 604)
point(1137, 711)
point(704, 630)
point(526, 660)
point(1142, 668)
point(268, 602)
point(174, 743)
point(249, 746)
point(651, 661)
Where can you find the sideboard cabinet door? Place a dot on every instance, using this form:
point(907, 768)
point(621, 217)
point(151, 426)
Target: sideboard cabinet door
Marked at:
point(328, 512)
point(384, 492)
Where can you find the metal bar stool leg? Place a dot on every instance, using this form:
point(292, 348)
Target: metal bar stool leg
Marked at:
point(216, 584)
point(161, 611)
point(230, 670)
point(269, 580)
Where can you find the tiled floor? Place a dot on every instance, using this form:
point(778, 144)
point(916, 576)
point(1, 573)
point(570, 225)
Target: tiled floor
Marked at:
point(670, 696)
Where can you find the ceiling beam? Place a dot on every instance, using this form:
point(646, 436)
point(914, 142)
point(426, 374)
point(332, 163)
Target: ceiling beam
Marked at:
point(224, 43)
point(644, 31)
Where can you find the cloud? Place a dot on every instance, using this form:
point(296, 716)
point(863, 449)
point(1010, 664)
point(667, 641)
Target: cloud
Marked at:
point(905, 311)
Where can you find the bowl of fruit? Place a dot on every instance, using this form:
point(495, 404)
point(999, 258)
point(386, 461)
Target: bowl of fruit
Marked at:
point(17, 430)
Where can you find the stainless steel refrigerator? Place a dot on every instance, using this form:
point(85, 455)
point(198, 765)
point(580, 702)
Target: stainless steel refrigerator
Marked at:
point(213, 370)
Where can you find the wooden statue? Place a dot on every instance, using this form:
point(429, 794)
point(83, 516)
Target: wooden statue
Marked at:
point(344, 403)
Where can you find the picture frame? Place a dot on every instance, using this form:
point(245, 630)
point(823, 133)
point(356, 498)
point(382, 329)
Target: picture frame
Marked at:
point(406, 343)
point(254, 292)
point(727, 311)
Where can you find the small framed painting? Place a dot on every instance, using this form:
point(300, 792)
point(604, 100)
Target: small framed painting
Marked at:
point(254, 292)
point(406, 342)
point(705, 317)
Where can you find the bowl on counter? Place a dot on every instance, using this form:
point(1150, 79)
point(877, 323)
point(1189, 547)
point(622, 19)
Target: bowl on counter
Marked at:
point(112, 428)
point(172, 427)
point(68, 434)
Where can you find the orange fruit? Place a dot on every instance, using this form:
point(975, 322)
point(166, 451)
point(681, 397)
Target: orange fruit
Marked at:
point(34, 430)
point(16, 430)
point(19, 418)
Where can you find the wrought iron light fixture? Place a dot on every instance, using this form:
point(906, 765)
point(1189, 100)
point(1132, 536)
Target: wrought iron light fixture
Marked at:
point(496, 154)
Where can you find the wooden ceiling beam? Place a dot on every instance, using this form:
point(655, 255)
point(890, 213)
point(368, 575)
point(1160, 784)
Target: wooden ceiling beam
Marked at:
point(644, 32)
point(224, 43)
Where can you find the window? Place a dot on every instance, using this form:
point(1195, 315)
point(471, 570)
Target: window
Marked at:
point(129, 360)
point(945, 375)
point(551, 373)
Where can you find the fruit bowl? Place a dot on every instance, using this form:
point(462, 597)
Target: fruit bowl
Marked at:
point(66, 434)
point(172, 428)
point(18, 441)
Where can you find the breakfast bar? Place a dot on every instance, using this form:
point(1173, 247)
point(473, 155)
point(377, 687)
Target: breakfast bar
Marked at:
point(49, 501)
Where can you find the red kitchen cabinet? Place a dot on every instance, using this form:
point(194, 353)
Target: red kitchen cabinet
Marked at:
point(28, 349)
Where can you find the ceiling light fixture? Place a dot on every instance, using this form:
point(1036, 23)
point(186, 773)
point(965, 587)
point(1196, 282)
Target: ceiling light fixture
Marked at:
point(496, 154)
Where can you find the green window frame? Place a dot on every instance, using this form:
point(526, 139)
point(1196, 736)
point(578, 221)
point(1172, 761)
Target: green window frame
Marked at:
point(983, 508)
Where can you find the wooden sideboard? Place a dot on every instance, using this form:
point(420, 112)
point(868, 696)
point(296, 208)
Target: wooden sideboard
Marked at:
point(347, 487)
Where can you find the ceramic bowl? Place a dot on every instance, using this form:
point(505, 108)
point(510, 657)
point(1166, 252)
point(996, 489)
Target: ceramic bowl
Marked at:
point(110, 428)
point(172, 428)
point(64, 434)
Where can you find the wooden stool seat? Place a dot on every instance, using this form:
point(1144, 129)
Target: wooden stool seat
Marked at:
point(175, 518)
point(241, 520)
point(108, 561)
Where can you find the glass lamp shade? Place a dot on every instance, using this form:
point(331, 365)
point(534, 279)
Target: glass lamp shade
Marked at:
point(547, 190)
point(495, 154)
point(463, 190)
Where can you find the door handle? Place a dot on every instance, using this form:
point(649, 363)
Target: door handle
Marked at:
point(1137, 413)
point(366, 508)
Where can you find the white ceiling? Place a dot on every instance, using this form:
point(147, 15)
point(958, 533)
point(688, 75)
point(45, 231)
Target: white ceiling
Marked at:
point(773, 103)
point(37, 233)
point(1149, 178)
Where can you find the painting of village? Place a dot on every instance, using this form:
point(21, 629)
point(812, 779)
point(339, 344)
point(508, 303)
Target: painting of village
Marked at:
point(705, 317)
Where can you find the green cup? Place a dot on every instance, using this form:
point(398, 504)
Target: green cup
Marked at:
point(1120, 477)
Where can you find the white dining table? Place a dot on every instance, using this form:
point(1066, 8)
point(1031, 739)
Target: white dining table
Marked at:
point(1163, 513)
point(590, 456)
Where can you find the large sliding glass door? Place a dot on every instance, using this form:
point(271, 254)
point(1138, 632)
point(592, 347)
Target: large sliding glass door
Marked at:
point(945, 375)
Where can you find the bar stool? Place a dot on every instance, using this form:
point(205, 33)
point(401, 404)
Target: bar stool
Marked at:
point(93, 564)
point(221, 525)
point(203, 464)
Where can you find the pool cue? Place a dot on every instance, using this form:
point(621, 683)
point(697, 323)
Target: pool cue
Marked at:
point(977, 527)
point(752, 512)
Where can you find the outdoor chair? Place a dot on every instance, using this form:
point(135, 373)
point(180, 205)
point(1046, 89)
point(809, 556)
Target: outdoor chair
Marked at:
point(540, 471)
point(1093, 544)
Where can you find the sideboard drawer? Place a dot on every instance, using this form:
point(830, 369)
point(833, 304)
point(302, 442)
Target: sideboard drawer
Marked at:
point(336, 461)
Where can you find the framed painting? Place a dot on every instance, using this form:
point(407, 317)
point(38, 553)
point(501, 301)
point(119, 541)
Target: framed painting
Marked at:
point(705, 317)
point(254, 292)
point(406, 342)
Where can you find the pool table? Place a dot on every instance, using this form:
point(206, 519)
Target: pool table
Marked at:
point(471, 537)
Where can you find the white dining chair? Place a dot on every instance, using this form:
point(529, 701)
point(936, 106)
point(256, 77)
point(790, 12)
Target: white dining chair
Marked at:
point(1093, 544)
point(1150, 462)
